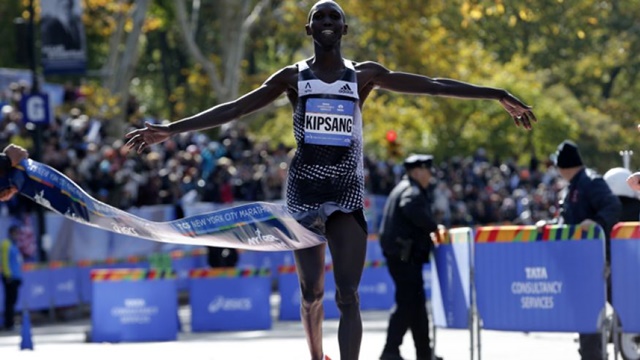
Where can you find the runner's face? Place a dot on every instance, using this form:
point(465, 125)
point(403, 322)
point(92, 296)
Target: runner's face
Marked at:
point(326, 24)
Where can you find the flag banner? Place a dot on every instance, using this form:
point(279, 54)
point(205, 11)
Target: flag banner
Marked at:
point(451, 278)
point(540, 281)
point(254, 226)
point(134, 305)
point(625, 267)
point(64, 45)
point(230, 299)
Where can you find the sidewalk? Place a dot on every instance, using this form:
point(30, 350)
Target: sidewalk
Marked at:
point(284, 342)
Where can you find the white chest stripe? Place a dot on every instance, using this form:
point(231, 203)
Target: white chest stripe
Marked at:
point(316, 87)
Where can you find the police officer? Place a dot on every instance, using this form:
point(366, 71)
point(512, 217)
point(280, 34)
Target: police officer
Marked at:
point(587, 200)
point(407, 223)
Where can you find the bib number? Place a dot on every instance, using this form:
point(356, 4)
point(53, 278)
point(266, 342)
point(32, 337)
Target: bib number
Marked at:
point(329, 122)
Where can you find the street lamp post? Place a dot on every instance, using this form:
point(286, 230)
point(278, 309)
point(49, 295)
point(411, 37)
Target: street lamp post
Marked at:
point(35, 89)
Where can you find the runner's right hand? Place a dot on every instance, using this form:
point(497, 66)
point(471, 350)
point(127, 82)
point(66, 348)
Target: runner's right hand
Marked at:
point(151, 134)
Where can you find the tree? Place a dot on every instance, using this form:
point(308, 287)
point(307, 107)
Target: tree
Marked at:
point(236, 17)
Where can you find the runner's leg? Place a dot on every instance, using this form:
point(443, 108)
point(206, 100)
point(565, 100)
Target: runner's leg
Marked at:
point(310, 266)
point(347, 238)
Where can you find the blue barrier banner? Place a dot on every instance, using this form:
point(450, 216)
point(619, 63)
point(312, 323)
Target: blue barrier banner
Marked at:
point(36, 292)
point(373, 206)
point(272, 260)
point(66, 290)
point(289, 290)
point(374, 250)
point(230, 299)
point(625, 267)
point(1, 300)
point(530, 281)
point(134, 305)
point(255, 226)
point(377, 291)
point(200, 258)
point(84, 281)
point(182, 265)
point(451, 278)
point(428, 282)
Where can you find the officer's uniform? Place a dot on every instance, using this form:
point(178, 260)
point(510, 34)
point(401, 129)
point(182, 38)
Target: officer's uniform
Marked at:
point(405, 239)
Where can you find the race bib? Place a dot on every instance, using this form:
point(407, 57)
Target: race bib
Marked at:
point(329, 122)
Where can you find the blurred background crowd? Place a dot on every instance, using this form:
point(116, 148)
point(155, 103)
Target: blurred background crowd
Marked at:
point(471, 189)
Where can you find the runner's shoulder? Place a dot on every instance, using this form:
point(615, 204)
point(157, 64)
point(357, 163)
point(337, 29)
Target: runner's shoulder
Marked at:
point(370, 66)
point(287, 75)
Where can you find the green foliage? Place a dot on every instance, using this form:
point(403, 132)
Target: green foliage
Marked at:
point(9, 11)
point(577, 62)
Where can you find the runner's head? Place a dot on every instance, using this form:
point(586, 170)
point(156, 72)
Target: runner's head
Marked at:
point(325, 2)
point(326, 24)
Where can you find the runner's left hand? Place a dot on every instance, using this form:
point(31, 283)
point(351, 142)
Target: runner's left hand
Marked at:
point(521, 113)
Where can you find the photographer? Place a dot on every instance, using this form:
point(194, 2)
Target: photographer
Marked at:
point(407, 223)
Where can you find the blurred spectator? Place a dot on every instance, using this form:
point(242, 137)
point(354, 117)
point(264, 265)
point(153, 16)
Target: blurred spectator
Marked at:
point(587, 201)
point(616, 178)
point(234, 168)
point(11, 270)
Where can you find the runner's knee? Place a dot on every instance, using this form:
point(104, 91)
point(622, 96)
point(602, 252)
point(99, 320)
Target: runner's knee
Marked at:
point(347, 297)
point(311, 297)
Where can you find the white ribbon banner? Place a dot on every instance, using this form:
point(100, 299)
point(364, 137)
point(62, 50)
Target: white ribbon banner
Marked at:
point(259, 226)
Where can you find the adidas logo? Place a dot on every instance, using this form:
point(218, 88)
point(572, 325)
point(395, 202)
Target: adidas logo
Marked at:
point(345, 89)
point(307, 88)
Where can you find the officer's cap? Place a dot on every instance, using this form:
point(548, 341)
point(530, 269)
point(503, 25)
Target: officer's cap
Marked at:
point(419, 160)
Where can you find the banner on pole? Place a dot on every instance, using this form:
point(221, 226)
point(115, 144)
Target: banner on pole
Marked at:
point(451, 278)
point(548, 281)
point(625, 267)
point(63, 39)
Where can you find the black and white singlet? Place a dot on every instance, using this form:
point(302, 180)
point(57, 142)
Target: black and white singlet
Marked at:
point(326, 172)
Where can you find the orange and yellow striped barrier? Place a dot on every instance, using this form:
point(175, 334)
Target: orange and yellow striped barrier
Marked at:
point(529, 233)
point(130, 274)
point(227, 273)
point(626, 231)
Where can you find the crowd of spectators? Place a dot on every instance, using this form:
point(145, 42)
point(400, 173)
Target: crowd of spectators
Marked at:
point(472, 190)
